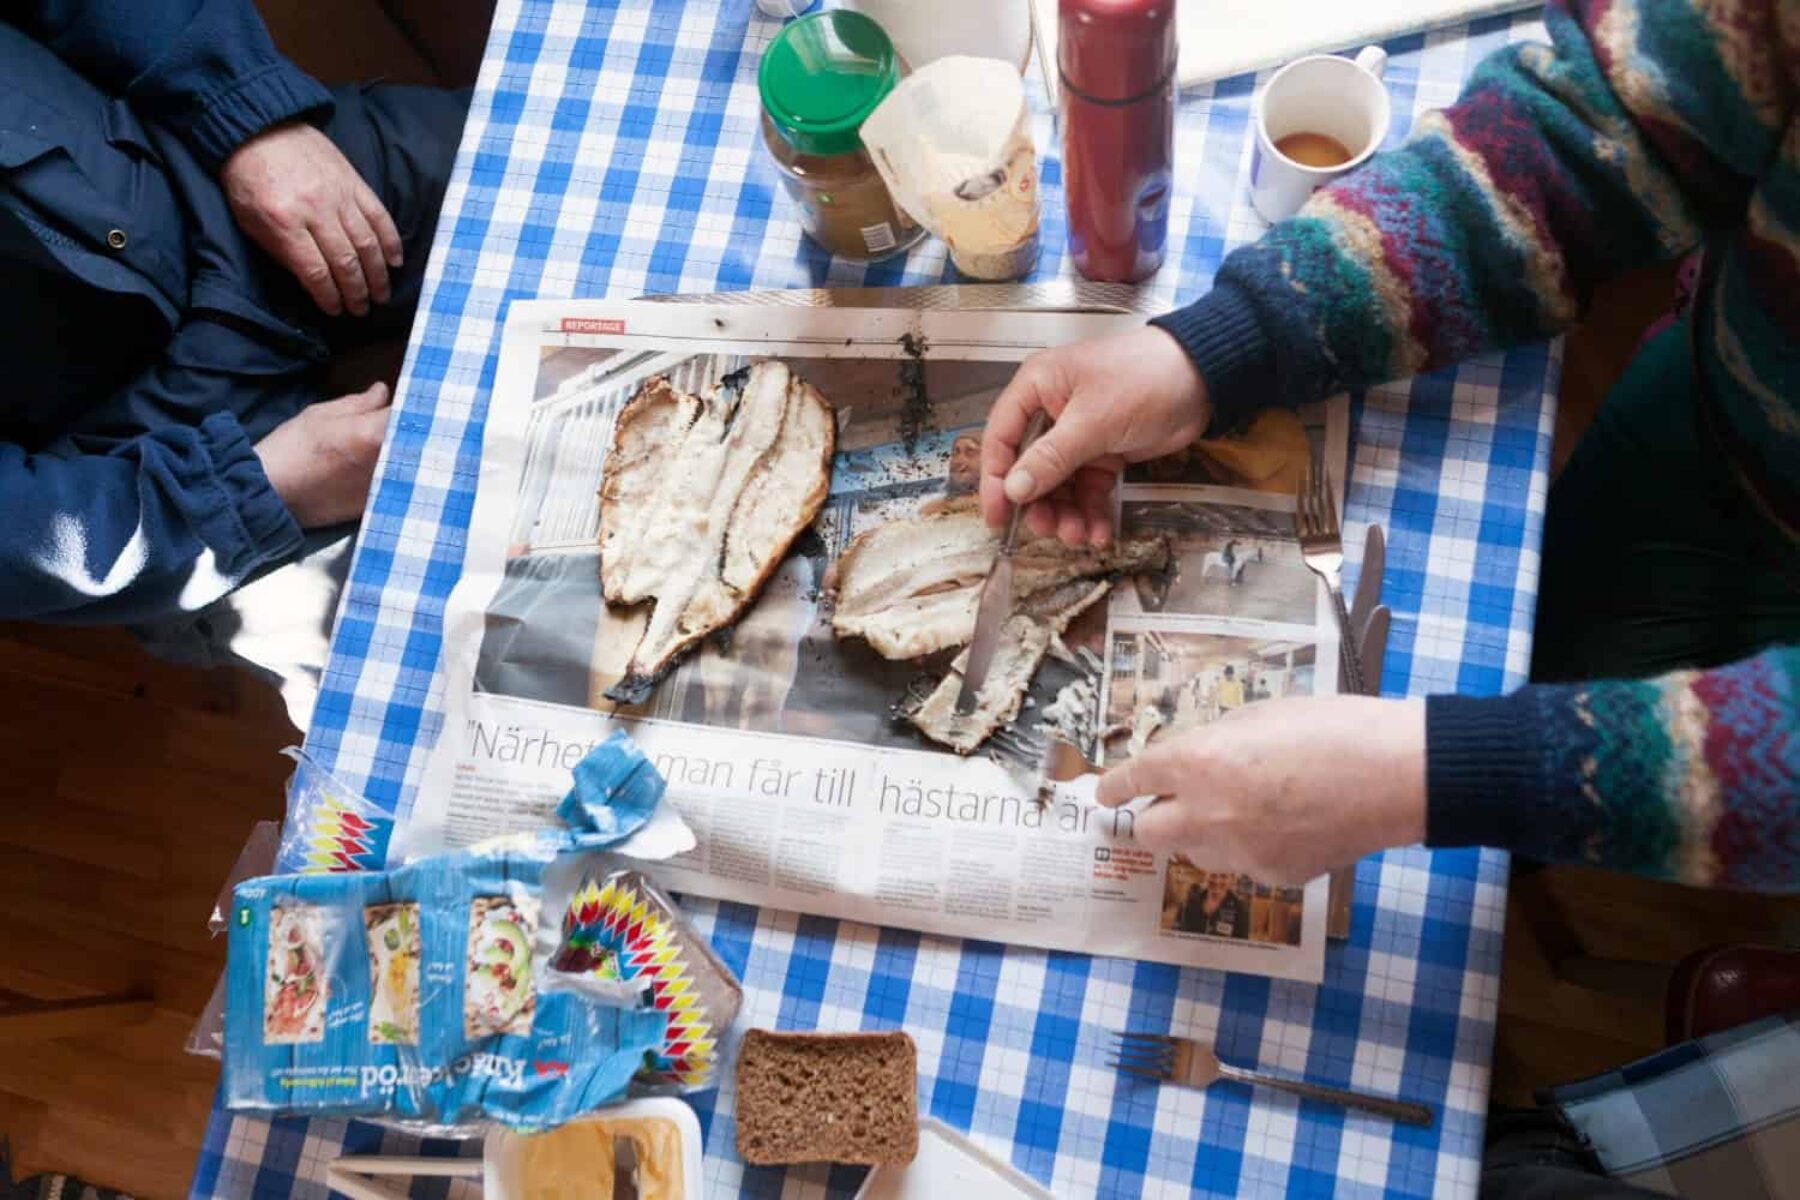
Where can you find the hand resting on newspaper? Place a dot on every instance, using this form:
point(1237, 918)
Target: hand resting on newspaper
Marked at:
point(1283, 790)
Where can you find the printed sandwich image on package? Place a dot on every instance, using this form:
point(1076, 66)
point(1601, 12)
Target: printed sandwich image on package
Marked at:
point(296, 989)
point(393, 933)
point(499, 995)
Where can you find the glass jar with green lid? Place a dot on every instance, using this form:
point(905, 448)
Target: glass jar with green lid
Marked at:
point(820, 79)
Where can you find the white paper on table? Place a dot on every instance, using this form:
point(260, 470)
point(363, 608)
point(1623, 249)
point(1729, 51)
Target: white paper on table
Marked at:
point(1222, 38)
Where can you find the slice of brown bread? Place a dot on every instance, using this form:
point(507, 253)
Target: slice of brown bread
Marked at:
point(827, 1097)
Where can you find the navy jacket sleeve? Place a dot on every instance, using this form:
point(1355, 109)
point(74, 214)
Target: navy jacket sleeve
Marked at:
point(205, 68)
point(166, 522)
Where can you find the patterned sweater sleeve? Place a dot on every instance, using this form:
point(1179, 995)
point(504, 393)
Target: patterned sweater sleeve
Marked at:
point(1643, 124)
point(1693, 776)
point(1643, 127)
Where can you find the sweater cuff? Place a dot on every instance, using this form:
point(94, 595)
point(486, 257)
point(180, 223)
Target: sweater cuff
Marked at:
point(1223, 333)
point(228, 118)
point(1483, 771)
point(250, 525)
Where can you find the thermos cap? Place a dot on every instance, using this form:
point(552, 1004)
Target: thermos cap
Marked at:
point(1115, 50)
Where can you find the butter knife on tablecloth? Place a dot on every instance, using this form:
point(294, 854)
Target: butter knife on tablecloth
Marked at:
point(1368, 589)
point(1369, 622)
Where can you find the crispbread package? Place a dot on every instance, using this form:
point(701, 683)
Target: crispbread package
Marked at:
point(827, 1097)
point(621, 935)
point(416, 993)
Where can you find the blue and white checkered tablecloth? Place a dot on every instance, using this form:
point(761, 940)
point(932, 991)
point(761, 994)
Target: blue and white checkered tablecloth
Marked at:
point(613, 150)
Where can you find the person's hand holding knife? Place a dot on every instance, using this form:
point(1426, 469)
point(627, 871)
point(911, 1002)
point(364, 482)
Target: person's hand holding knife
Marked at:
point(1286, 789)
point(1121, 399)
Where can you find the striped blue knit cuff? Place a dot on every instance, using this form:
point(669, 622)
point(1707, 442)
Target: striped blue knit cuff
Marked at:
point(1484, 767)
point(1223, 334)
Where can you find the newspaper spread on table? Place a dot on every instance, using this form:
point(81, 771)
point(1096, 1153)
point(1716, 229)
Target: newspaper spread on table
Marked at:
point(780, 741)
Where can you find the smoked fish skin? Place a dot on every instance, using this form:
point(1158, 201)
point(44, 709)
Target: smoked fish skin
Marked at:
point(701, 498)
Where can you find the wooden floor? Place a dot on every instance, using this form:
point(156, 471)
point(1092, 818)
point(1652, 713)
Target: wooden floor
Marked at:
point(127, 788)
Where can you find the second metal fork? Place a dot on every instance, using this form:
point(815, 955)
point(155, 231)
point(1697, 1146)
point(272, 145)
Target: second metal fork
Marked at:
point(1194, 1064)
point(1322, 547)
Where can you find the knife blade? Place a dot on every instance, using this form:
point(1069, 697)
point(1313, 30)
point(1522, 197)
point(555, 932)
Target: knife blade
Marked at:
point(1374, 640)
point(1368, 585)
point(625, 1166)
point(1374, 647)
point(996, 593)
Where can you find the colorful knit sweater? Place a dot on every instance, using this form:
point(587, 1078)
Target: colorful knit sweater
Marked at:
point(1648, 127)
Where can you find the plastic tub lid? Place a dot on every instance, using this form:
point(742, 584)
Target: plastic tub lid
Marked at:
point(950, 1165)
point(503, 1155)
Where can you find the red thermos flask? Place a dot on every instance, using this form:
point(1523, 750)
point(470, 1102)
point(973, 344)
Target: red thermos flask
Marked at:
point(1116, 59)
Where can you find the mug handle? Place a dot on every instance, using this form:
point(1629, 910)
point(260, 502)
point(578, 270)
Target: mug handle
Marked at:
point(1372, 59)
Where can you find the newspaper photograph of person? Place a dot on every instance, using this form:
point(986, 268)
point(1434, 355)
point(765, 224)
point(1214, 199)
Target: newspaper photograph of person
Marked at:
point(1161, 681)
point(1239, 561)
point(1218, 904)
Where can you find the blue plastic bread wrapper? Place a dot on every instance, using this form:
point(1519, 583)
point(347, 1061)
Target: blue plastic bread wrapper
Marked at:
point(415, 993)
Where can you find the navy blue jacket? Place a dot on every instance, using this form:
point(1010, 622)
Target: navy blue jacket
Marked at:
point(126, 289)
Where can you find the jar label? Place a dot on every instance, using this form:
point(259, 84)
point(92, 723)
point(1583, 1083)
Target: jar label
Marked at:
point(879, 238)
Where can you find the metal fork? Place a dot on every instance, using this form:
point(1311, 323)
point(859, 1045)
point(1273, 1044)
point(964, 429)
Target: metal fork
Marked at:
point(1193, 1064)
point(1322, 546)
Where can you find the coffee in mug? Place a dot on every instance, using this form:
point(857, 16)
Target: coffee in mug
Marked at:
point(1315, 119)
point(1313, 150)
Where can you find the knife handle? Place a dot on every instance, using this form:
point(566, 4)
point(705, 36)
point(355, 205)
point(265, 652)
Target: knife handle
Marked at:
point(1034, 429)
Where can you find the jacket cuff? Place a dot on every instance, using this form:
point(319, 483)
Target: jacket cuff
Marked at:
point(249, 526)
point(1484, 773)
point(1223, 333)
point(266, 97)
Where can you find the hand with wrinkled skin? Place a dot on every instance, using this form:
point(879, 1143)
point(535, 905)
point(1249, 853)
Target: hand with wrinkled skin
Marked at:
point(321, 460)
point(1125, 398)
point(295, 194)
point(1283, 790)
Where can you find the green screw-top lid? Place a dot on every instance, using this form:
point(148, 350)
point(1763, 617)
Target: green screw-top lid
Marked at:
point(823, 75)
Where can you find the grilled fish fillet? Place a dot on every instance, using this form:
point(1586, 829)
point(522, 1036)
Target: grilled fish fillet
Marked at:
point(1025, 639)
point(700, 500)
point(911, 588)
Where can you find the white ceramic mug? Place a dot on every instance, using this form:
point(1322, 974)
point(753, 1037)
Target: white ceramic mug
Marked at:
point(1321, 93)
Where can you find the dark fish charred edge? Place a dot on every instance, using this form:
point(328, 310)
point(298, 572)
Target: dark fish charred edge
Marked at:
point(732, 384)
point(809, 545)
point(636, 687)
point(915, 408)
point(732, 409)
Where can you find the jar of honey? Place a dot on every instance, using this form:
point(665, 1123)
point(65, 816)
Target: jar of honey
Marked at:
point(820, 79)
